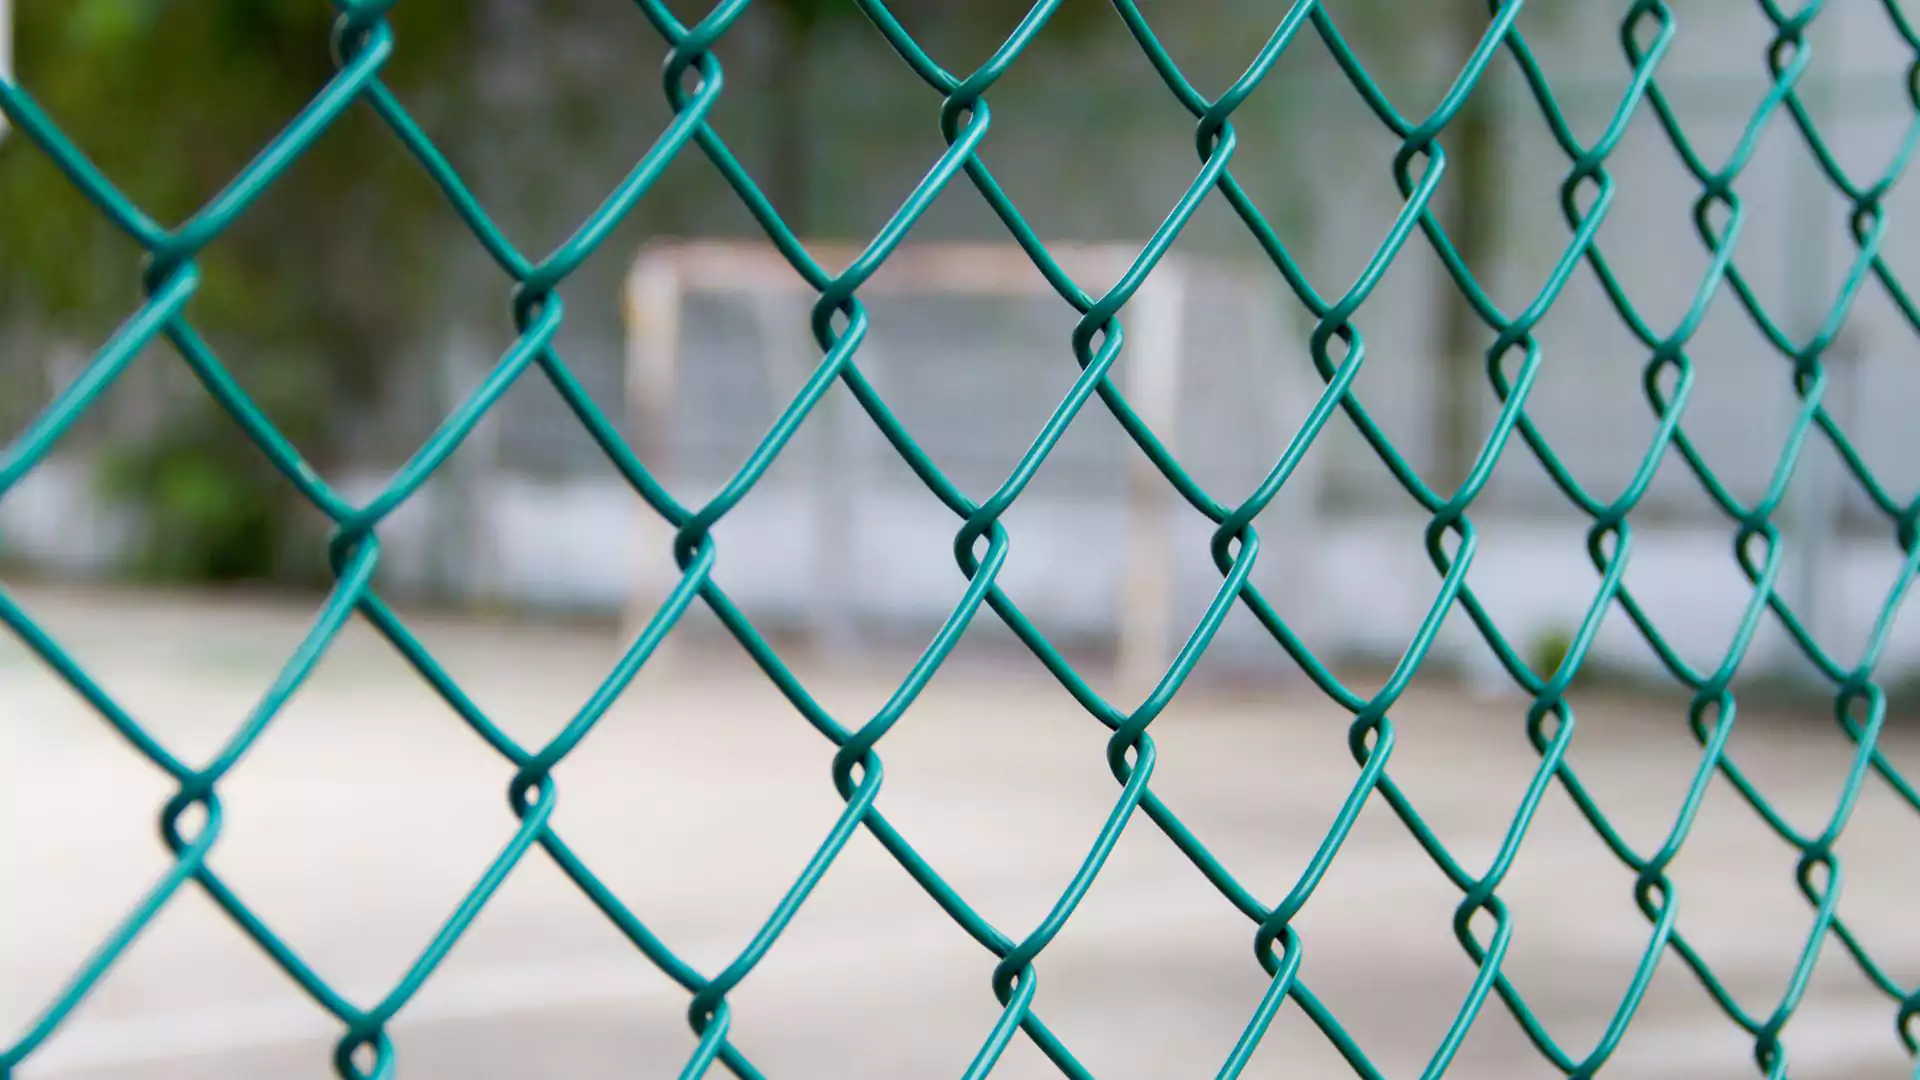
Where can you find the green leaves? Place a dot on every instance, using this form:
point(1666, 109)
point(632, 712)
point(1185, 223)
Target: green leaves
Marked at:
point(96, 25)
point(328, 276)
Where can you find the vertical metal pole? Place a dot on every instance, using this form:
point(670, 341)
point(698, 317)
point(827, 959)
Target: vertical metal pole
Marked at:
point(1812, 507)
point(1278, 330)
point(653, 352)
point(455, 526)
point(840, 484)
point(782, 319)
point(1153, 387)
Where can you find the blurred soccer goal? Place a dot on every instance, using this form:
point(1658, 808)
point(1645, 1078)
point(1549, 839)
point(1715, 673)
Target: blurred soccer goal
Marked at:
point(969, 345)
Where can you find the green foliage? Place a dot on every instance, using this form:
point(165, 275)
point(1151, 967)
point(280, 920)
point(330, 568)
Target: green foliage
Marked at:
point(1548, 650)
point(315, 292)
point(803, 27)
point(170, 100)
point(203, 515)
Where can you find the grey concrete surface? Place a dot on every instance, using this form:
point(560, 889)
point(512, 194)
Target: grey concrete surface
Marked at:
point(367, 809)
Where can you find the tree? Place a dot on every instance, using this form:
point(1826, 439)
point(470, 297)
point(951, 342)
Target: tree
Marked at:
point(308, 297)
point(801, 31)
point(317, 293)
point(1438, 36)
point(1477, 194)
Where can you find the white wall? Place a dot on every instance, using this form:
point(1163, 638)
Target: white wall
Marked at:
point(1353, 587)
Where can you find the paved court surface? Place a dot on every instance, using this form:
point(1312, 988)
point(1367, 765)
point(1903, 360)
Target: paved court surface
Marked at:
point(368, 809)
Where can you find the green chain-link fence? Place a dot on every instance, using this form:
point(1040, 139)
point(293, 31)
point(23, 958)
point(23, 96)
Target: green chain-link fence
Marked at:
point(693, 81)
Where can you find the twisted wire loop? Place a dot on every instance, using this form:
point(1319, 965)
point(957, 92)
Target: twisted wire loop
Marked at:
point(693, 80)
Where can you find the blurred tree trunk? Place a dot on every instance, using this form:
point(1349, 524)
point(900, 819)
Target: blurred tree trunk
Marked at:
point(1473, 196)
point(788, 182)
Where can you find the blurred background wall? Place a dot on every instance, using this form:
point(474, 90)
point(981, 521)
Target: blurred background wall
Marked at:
point(353, 304)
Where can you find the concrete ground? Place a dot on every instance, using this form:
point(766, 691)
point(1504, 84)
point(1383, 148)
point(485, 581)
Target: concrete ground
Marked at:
point(366, 811)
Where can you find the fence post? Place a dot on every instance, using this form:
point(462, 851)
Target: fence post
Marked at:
point(782, 319)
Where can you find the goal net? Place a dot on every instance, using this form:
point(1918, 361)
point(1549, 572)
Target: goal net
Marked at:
point(970, 348)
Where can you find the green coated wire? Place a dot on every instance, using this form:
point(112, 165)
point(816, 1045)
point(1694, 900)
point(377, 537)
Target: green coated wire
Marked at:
point(693, 81)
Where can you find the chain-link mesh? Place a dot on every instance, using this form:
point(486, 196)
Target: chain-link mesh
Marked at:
point(693, 82)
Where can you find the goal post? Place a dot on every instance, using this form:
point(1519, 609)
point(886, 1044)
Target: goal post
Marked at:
point(770, 304)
